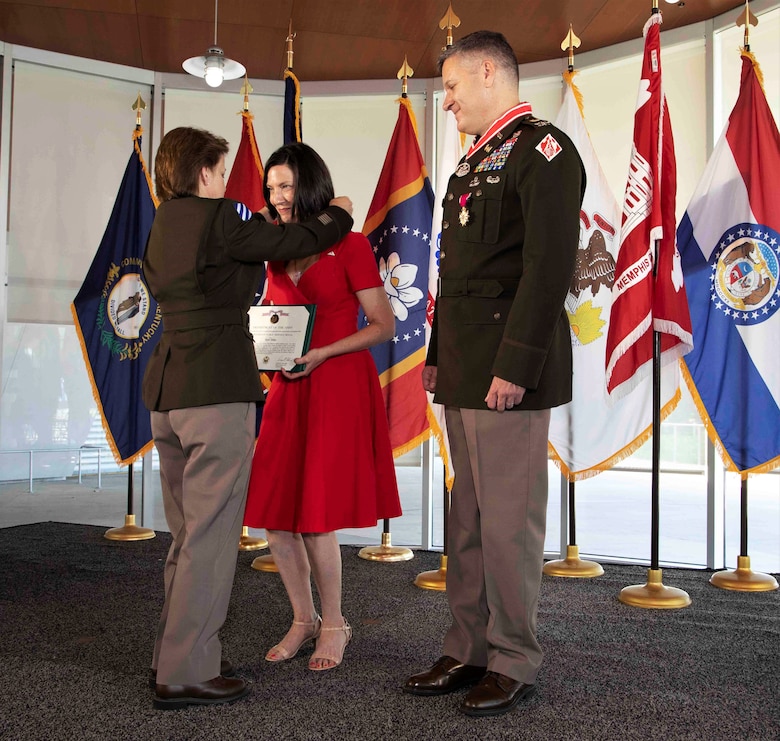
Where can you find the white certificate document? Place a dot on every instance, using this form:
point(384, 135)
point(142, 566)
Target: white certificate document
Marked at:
point(281, 334)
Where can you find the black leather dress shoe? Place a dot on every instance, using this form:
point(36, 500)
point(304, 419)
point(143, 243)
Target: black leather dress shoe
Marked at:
point(213, 692)
point(495, 694)
point(446, 675)
point(226, 669)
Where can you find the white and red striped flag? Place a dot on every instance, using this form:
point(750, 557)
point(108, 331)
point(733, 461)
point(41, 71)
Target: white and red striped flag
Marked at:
point(645, 300)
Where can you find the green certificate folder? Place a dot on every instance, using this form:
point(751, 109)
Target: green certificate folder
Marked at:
point(281, 333)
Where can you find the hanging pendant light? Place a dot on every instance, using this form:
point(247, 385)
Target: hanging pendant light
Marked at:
point(214, 66)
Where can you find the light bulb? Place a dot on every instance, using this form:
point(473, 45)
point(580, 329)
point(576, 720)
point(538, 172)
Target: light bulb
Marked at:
point(214, 76)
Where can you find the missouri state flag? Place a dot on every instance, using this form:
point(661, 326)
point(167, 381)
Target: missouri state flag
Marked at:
point(592, 433)
point(398, 227)
point(117, 321)
point(730, 245)
point(648, 294)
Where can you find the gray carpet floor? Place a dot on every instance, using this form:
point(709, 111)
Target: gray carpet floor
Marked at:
point(78, 614)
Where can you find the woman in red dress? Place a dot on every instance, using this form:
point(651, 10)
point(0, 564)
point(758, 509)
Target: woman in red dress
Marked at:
point(323, 459)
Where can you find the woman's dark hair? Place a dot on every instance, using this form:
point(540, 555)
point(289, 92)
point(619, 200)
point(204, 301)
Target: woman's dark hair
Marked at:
point(313, 183)
point(182, 153)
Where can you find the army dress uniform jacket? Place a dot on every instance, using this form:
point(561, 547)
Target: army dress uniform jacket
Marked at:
point(203, 264)
point(509, 240)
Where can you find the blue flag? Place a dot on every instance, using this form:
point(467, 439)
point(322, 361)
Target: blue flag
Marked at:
point(117, 320)
point(398, 228)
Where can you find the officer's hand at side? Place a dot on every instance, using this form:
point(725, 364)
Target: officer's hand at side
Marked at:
point(429, 378)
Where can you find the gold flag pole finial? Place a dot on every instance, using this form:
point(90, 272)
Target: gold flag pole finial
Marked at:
point(449, 21)
point(569, 44)
point(139, 106)
point(289, 40)
point(747, 19)
point(246, 89)
point(655, 7)
point(405, 72)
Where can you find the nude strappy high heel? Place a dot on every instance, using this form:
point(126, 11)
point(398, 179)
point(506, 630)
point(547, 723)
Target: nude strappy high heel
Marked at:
point(280, 653)
point(347, 628)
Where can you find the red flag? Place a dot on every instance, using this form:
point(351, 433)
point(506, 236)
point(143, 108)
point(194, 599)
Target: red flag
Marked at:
point(245, 183)
point(644, 300)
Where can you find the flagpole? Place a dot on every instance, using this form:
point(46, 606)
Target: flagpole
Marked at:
point(743, 578)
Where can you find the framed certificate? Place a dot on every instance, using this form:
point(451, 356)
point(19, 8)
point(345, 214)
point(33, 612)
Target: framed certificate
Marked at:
point(281, 334)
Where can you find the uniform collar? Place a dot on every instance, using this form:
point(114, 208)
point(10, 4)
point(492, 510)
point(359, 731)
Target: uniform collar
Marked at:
point(521, 109)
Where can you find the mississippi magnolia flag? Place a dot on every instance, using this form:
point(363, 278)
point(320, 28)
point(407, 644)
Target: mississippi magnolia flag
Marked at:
point(397, 226)
point(450, 154)
point(117, 320)
point(590, 434)
point(245, 183)
point(644, 302)
point(730, 244)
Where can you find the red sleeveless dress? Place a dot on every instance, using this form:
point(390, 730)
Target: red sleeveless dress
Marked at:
point(323, 459)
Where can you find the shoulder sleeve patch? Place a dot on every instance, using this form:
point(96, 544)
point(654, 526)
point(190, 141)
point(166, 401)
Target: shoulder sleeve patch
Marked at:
point(325, 219)
point(243, 211)
point(549, 147)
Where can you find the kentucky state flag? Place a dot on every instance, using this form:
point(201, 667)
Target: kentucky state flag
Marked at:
point(245, 183)
point(592, 433)
point(730, 244)
point(397, 226)
point(117, 320)
point(648, 294)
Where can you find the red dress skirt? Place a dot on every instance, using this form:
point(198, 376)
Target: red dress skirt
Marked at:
point(323, 459)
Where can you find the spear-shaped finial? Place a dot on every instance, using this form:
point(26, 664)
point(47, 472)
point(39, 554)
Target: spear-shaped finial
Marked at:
point(138, 107)
point(747, 19)
point(569, 44)
point(405, 72)
point(289, 40)
point(449, 21)
point(246, 89)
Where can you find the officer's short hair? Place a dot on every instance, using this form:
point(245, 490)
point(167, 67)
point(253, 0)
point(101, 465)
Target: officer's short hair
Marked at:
point(486, 43)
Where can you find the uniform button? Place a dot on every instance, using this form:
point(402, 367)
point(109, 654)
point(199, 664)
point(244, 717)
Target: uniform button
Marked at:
point(478, 192)
point(450, 196)
point(497, 315)
point(445, 224)
point(442, 256)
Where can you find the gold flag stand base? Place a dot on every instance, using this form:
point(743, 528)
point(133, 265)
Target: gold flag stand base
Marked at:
point(247, 543)
point(743, 579)
point(265, 563)
point(130, 531)
point(433, 579)
point(573, 565)
point(385, 552)
point(654, 594)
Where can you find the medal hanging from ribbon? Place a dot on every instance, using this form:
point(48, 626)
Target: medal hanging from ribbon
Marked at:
point(464, 217)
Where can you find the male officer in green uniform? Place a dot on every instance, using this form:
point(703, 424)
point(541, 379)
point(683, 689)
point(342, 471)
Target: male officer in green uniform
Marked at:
point(499, 359)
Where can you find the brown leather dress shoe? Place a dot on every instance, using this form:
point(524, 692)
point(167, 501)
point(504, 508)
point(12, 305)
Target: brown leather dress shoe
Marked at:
point(226, 669)
point(446, 675)
point(495, 694)
point(213, 692)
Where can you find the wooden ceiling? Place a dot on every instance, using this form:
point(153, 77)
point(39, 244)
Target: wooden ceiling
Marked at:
point(335, 39)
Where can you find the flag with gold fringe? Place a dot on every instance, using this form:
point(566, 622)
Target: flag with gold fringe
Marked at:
point(293, 127)
point(591, 433)
point(245, 183)
point(729, 240)
point(117, 321)
point(648, 295)
point(398, 227)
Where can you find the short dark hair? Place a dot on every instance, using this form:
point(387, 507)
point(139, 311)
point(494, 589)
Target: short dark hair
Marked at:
point(490, 43)
point(313, 183)
point(182, 153)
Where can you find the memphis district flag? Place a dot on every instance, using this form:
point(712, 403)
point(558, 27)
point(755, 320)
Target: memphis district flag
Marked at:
point(644, 303)
point(730, 244)
point(117, 320)
point(293, 128)
point(591, 434)
point(245, 183)
point(397, 226)
point(450, 154)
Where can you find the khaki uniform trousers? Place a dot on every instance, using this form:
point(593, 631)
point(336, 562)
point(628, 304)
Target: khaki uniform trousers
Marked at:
point(495, 541)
